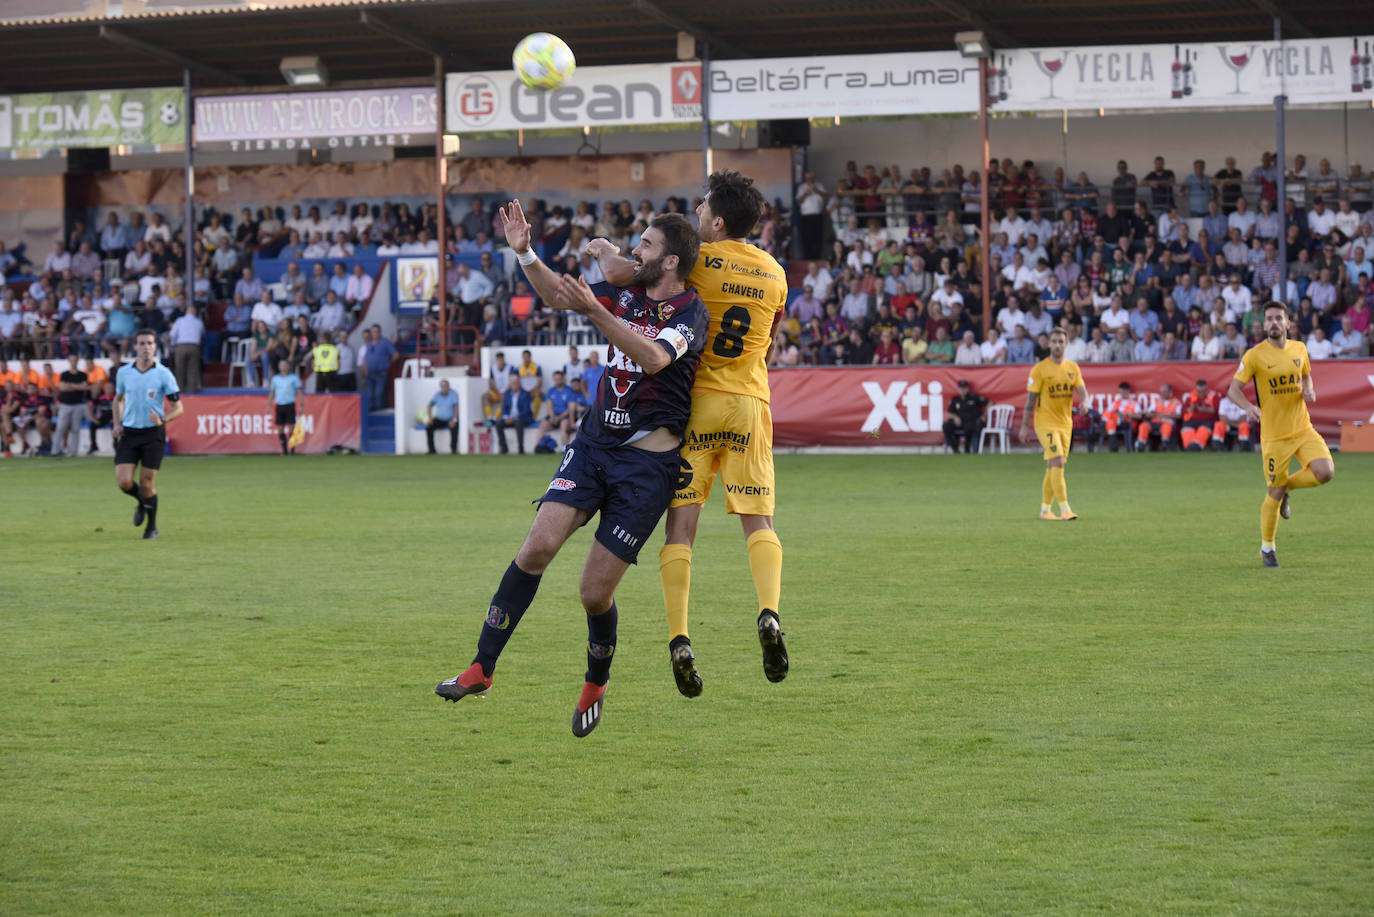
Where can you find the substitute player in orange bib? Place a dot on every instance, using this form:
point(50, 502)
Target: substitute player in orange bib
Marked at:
point(730, 432)
point(1283, 388)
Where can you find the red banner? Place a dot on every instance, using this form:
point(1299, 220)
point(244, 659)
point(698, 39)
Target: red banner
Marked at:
point(905, 405)
point(216, 424)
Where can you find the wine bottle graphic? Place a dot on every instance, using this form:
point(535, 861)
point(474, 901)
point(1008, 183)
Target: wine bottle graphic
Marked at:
point(1368, 69)
point(1003, 81)
point(1176, 77)
point(1356, 69)
point(1189, 72)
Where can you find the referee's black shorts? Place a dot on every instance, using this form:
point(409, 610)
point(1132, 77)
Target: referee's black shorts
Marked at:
point(141, 446)
point(286, 414)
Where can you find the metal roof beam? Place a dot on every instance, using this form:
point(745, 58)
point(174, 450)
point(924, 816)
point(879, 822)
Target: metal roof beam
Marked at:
point(717, 44)
point(171, 57)
point(1291, 26)
point(407, 37)
point(996, 36)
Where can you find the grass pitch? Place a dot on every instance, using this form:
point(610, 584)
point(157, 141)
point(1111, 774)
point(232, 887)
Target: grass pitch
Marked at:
point(986, 713)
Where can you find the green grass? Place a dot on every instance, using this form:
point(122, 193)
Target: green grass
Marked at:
point(985, 714)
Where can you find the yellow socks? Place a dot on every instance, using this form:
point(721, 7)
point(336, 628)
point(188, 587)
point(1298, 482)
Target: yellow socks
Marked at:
point(1046, 491)
point(765, 563)
point(675, 571)
point(1304, 478)
point(1061, 490)
point(1269, 521)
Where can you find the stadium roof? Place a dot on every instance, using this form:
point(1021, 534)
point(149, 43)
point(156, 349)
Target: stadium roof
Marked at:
point(55, 45)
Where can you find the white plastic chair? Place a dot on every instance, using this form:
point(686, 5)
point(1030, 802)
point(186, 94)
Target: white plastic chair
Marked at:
point(580, 330)
point(416, 367)
point(242, 348)
point(998, 424)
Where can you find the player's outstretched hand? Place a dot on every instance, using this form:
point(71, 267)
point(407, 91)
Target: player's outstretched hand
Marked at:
point(574, 294)
point(516, 226)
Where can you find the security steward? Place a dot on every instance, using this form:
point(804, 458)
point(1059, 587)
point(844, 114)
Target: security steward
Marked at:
point(324, 357)
point(964, 418)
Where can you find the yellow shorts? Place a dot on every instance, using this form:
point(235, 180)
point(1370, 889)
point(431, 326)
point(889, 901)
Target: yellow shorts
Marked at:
point(1305, 447)
point(1055, 442)
point(731, 435)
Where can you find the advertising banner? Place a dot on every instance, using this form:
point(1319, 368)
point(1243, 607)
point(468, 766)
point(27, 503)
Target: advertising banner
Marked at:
point(905, 406)
point(310, 120)
point(417, 279)
point(748, 90)
point(1197, 75)
point(244, 424)
point(57, 120)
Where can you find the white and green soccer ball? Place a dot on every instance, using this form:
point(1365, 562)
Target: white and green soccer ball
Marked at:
point(543, 60)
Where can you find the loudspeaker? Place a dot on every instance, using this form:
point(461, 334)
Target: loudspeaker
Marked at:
point(82, 161)
point(786, 132)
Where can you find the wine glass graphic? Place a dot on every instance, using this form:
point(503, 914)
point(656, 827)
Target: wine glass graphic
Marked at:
point(1050, 67)
point(1236, 62)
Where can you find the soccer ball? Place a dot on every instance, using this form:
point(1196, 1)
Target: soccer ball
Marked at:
point(543, 61)
point(170, 113)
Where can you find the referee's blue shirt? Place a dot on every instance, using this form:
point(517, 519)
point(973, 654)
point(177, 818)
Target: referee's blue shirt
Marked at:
point(143, 392)
point(284, 388)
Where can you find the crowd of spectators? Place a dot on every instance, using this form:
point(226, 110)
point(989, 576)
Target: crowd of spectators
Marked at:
point(1144, 270)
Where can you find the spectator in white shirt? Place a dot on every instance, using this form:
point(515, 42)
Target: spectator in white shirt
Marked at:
point(1077, 348)
point(1014, 226)
point(215, 235)
point(1021, 277)
point(1206, 346)
point(58, 260)
point(1115, 317)
point(1320, 221)
point(819, 277)
point(1099, 350)
point(994, 349)
point(947, 296)
point(318, 247)
point(1318, 347)
point(1243, 219)
point(338, 221)
point(341, 248)
point(158, 231)
point(266, 311)
point(1009, 316)
point(968, 352)
point(1236, 297)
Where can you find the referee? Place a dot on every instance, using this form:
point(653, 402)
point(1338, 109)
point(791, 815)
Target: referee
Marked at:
point(284, 394)
point(140, 421)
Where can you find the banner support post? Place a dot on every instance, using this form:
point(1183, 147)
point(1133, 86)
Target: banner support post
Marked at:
point(1281, 203)
point(188, 166)
point(985, 243)
point(441, 216)
point(705, 113)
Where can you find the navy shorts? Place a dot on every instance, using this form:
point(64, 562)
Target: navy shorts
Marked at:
point(630, 487)
point(141, 446)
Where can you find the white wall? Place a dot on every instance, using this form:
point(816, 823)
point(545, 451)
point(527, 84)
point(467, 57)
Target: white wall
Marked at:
point(1092, 144)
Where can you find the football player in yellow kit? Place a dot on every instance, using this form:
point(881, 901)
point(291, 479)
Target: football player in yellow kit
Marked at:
point(730, 432)
point(1049, 397)
point(1283, 387)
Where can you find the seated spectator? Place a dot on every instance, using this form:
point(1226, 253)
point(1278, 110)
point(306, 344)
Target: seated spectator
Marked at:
point(292, 281)
point(1233, 344)
point(1098, 349)
point(1206, 346)
point(516, 414)
point(1171, 348)
point(993, 350)
point(1020, 347)
point(1318, 346)
point(296, 309)
point(248, 286)
point(237, 319)
point(968, 353)
point(265, 311)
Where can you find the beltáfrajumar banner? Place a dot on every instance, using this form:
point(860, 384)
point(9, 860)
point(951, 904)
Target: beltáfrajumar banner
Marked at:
point(905, 405)
point(245, 424)
point(1230, 74)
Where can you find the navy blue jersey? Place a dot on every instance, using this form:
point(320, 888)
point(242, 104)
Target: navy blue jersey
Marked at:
point(629, 400)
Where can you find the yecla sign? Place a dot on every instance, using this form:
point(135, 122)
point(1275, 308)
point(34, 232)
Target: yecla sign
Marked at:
point(51, 120)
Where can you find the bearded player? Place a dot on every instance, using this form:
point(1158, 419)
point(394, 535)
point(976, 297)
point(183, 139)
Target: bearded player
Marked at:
point(1283, 388)
point(730, 433)
point(623, 463)
point(1049, 397)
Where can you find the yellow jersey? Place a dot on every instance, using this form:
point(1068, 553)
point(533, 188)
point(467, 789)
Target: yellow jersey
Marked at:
point(1278, 375)
point(1053, 384)
point(744, 290)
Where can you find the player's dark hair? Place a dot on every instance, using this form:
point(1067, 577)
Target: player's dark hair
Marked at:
point(736, 201)
point(1275, 304)
point(679, 238)
point(148, 331)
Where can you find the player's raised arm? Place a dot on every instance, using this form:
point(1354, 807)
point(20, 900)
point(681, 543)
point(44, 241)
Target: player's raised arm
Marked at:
point(542, 280)
point(577, 296)
point(618, 270)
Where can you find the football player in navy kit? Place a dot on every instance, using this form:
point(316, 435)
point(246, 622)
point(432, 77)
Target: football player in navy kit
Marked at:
point(623, 463)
